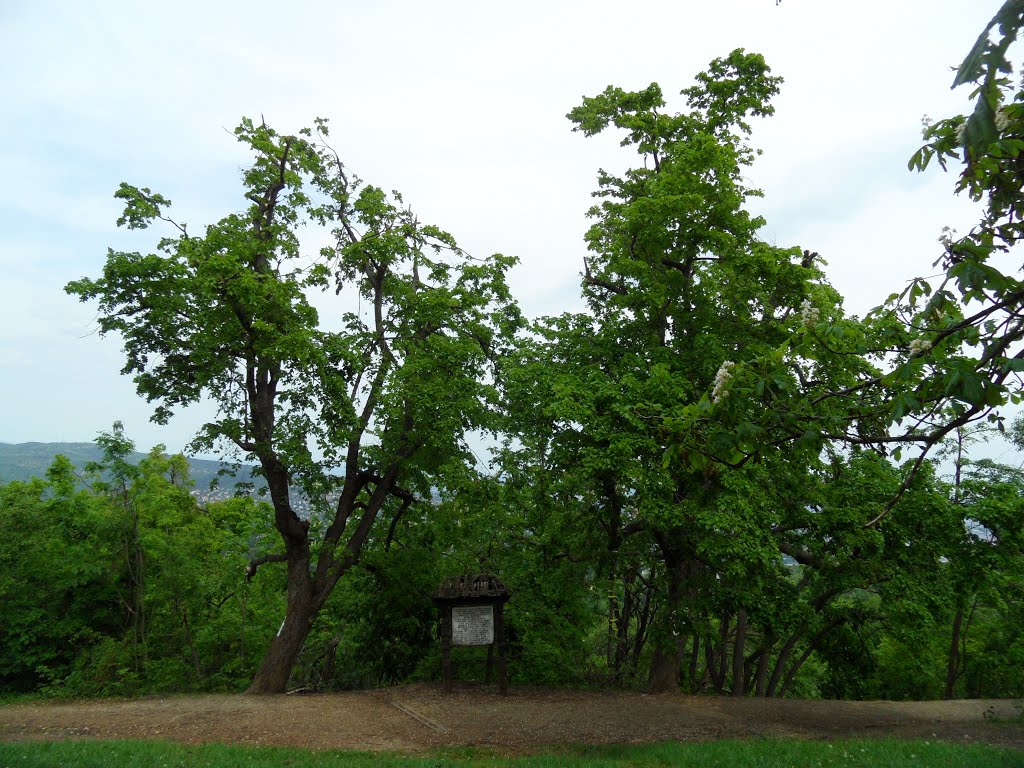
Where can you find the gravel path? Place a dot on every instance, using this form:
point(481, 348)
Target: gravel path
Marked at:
point(419, 717)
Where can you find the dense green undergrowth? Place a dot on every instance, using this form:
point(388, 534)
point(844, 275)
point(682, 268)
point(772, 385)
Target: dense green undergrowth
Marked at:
point(84, 754)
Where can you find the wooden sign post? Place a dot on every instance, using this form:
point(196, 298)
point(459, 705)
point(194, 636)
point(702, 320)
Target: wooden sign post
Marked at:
point(473, 614)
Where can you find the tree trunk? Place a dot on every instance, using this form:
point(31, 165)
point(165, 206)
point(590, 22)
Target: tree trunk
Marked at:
point(953, 665)
point(710, 664)
point(276, 667)
point(622, 642)
point(780, 664)
point(277, 663)
point(245, 625)
point(666, 663)
point(308, 593)
point(694, 660)
point(644, 619)
point(190, 642)
point(761, 677)
point(739, 675)
point(614, 618)
point(667, 659)
point(974, 690)
point(329, 656)
point(791, 675)
point(812, 646)
point(719, 659)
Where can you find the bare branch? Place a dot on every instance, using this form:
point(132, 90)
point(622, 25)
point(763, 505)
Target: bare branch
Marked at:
point(250, 570)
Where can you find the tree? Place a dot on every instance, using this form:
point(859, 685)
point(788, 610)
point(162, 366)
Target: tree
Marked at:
point(680, 289)
point(932, 360)
point(363, 413)
point(115, 478)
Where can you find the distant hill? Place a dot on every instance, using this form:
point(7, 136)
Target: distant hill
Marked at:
point(23, 461)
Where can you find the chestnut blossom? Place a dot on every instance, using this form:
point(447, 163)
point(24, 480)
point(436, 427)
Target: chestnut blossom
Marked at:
point(1002, 119)
point(961, 133)
point(809, 314)
point(919, 347)
point(721, 380)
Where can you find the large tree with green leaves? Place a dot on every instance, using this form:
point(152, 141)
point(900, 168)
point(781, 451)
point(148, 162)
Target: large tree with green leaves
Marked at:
point(681, 290)
point(362, 411)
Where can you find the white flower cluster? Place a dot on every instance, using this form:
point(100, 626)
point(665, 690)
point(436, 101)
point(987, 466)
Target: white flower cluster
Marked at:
point(1002, 119)
point(722, 380)
point(919, 347)
point(946, 238)
point(961, 133)
point(809, 314)
point(926, 123)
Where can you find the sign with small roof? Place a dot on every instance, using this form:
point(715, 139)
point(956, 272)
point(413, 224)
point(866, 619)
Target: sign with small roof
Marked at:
point(473, 614)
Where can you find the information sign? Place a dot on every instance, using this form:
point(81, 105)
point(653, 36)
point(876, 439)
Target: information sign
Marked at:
point(472, 624)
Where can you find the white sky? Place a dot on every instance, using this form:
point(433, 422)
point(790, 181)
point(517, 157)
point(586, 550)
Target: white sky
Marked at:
point(459, 105)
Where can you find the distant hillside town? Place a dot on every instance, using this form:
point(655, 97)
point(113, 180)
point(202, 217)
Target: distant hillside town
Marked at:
point(23, 461)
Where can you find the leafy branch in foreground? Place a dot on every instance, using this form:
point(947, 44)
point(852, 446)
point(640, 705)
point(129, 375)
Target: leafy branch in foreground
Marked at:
point(940, 355)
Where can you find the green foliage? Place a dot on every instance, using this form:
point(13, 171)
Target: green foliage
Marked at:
point(909, 671)
point(127, 585)
point(382, 621)
point(984, 575)
point(58, 577)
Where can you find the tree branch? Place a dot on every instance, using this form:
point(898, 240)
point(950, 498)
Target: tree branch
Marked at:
point(250, 570)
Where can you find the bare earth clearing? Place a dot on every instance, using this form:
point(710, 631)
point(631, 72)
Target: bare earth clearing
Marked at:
point(419, 717)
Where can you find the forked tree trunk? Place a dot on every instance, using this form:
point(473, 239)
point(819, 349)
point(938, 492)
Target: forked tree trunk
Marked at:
point(644, 619)
point(308, 593)
point(812, 646)
point(780, 664)
point(694, 661)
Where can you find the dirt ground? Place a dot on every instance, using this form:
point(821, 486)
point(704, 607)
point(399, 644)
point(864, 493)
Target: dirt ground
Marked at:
point(416, 718)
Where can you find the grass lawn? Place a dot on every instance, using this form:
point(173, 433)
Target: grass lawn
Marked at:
point(761, 752)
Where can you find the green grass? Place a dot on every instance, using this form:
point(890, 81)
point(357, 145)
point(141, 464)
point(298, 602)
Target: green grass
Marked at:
point(760, 752)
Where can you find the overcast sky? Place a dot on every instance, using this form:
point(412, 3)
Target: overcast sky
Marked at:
point(460, 106)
